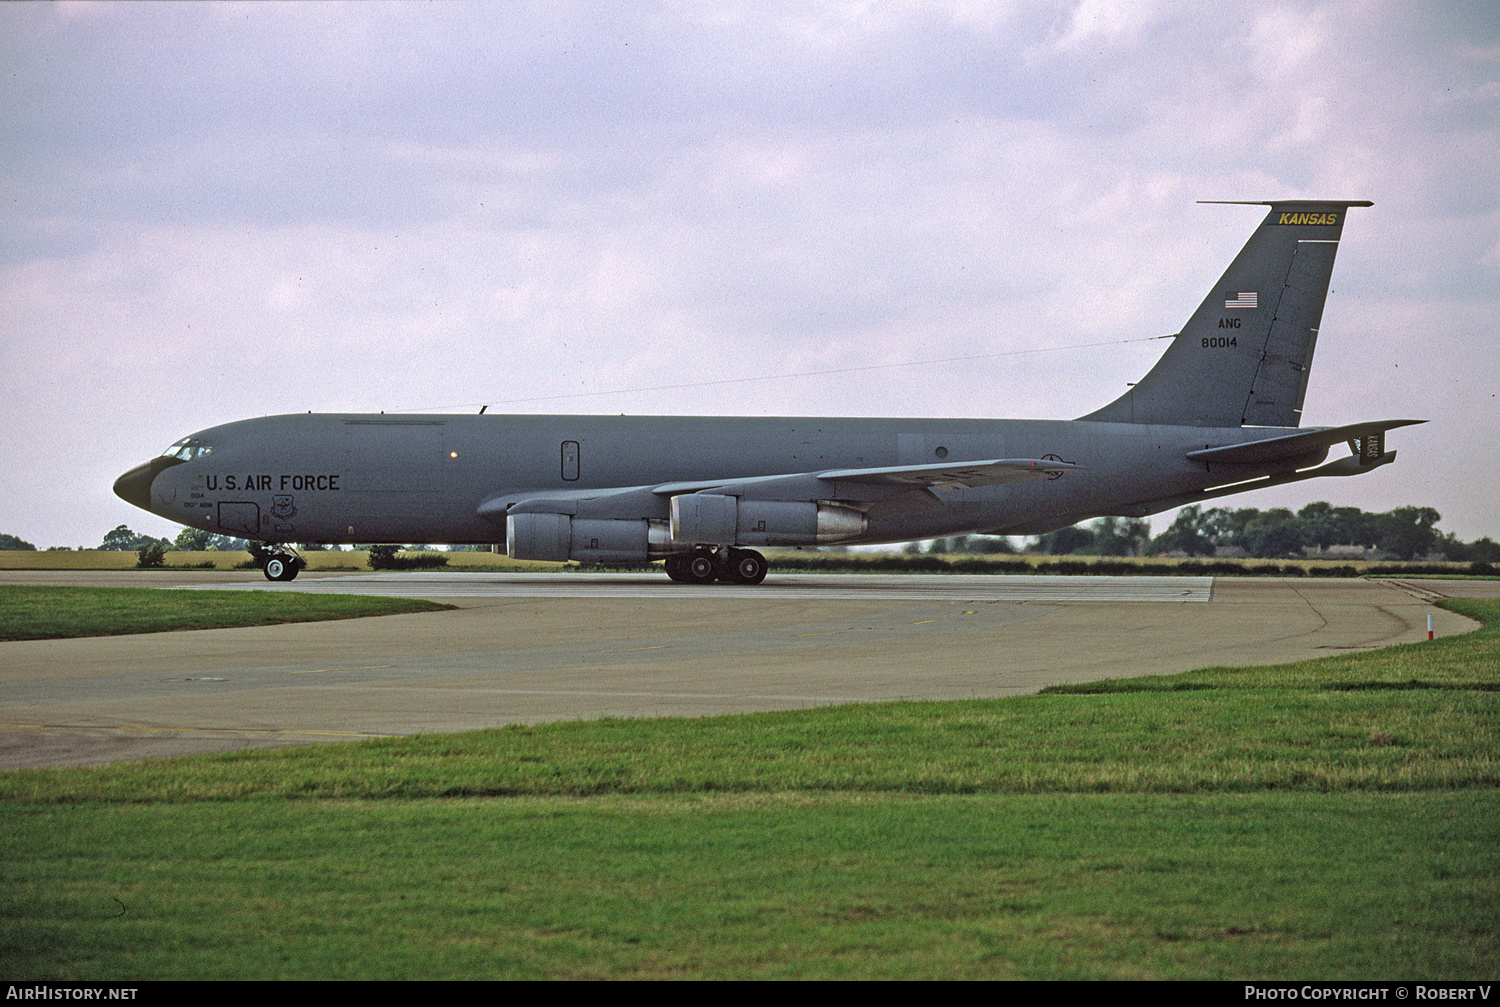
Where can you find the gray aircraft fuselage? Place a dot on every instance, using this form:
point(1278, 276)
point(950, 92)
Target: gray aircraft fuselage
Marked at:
point(1220, 413)
point(360, 478)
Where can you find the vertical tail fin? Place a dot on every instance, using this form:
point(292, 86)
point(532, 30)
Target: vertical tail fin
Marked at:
point(1244, 356)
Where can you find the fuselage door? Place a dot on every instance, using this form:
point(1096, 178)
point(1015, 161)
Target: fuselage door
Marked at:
point(239, 517)
point(570, 460)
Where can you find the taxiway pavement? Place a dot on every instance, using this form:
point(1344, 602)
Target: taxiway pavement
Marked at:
point(531, 648)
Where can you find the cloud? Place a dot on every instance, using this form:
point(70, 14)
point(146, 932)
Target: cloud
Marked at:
point(229, 210)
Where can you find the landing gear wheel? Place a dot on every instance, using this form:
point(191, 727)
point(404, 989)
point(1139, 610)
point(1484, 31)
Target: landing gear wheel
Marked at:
point(700, 568)
point(676, 568)
point(281, 568)
point(745, 566)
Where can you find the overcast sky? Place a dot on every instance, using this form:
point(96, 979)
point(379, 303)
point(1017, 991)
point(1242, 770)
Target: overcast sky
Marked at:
point(218, 211)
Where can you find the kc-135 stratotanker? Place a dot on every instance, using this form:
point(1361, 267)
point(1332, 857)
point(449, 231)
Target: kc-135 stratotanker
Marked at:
point(1219, 413)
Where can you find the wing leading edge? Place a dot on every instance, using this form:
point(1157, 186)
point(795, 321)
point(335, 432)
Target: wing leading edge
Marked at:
point(944, 476)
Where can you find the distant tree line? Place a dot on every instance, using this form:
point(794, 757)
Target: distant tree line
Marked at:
point(1405, 533)
point(122, 539)
point(203, 540)
point(1106, 536)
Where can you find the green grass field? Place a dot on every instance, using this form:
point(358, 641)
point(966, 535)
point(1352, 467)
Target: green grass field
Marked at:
point(1331, 819)
point(49, 613)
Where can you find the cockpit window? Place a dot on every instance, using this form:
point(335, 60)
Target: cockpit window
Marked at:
point(187, 449)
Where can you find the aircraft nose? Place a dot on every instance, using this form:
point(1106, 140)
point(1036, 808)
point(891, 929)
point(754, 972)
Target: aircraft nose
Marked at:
point(135, 486)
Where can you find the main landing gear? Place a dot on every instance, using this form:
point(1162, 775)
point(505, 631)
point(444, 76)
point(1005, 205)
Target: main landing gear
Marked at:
point(705, 565)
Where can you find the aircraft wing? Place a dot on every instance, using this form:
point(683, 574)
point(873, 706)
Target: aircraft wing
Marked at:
point(952, 476)
point(1305, 442)
point(947, 476)
point(885, 491)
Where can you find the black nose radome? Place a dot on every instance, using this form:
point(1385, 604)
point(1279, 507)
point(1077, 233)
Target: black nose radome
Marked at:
point(135, 485)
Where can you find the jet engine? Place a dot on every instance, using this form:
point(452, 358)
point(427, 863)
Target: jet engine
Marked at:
point(560, 537)
point(718, 519)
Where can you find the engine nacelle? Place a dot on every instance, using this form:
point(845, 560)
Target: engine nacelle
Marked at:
point(538, 536)
point(717, 519)
point(560, 537)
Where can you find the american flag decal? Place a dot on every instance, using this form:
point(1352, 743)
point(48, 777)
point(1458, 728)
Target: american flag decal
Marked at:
point(1246, 299)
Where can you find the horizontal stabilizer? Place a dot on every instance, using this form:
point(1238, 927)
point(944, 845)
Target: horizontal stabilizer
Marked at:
point(1273, 449)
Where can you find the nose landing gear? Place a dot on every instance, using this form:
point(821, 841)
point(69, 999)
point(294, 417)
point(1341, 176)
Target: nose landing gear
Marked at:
point(278, 562)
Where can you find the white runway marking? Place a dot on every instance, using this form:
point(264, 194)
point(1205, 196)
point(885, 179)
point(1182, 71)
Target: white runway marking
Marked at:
point(832, 587)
